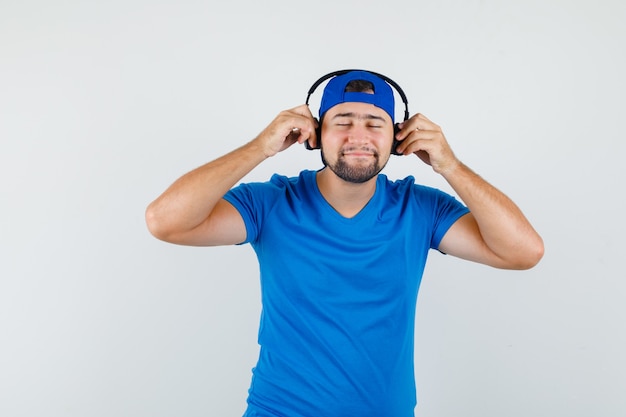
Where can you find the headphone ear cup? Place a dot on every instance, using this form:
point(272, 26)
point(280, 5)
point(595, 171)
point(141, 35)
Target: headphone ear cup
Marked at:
point(318, 135)
point(396, 142)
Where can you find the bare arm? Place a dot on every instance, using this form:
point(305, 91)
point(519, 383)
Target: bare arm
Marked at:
point(496, 232)
point(192, 211)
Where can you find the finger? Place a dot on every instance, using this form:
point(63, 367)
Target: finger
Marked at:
point(417, 140)
point(424, 123)
point(294, 134)
point(407, 127)
point(291, 124)
point(307, 131)
point(303, 133)
point(408, 131)
point(312, 138)
point(421, 116)
point(417, 122)
point(304, 110)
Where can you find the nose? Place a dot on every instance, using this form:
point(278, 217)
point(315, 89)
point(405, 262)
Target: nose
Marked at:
point(358, 134)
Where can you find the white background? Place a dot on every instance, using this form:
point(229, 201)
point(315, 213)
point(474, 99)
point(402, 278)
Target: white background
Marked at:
point(104, 104)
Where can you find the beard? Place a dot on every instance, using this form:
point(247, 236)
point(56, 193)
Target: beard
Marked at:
point(355, 173)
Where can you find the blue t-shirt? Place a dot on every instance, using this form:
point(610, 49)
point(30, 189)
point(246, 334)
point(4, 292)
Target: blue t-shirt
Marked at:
point(339, 294)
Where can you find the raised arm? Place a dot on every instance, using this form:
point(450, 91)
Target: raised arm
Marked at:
point(192, 211)
point(495, 232)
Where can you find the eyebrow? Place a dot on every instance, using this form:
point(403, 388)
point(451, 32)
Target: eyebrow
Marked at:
point(359, 116)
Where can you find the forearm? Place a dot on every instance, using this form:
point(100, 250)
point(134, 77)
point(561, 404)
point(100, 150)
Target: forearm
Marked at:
point(503, 227)
point(191, 199)
point(189, 211)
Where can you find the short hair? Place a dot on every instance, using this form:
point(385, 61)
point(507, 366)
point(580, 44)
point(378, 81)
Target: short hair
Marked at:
point(359, 86)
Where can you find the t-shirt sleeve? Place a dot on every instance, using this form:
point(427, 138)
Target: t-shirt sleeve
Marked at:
point(252, 201)
point(446, 211)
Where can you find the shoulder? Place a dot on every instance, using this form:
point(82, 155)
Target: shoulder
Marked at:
point(268, 190)
point(423, 198)
point(408, 186)
point(283, 181)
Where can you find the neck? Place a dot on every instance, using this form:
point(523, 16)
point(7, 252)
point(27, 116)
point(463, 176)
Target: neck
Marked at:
point(347, 198)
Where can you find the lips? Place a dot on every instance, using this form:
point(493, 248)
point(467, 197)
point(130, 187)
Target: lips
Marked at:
point(362, 152)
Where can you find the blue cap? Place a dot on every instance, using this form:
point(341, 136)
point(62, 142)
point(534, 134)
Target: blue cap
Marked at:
point(334, 93)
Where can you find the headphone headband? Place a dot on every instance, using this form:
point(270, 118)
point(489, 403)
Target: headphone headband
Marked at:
point(383, 77)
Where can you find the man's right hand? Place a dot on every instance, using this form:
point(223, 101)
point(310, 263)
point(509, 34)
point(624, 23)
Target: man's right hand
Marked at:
point(289, 127)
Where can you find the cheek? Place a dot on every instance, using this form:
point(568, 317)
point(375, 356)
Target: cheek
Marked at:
point(330, 138)
point(385, 139)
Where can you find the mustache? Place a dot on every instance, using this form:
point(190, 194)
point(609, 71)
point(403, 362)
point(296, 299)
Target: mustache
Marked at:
point(366, 149)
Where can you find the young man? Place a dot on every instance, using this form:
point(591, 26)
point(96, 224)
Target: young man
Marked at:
point(342, 250)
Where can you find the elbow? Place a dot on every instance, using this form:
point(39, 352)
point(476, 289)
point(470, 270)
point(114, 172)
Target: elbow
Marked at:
point(531, 256)
point(155, 223)
point(537, 252)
